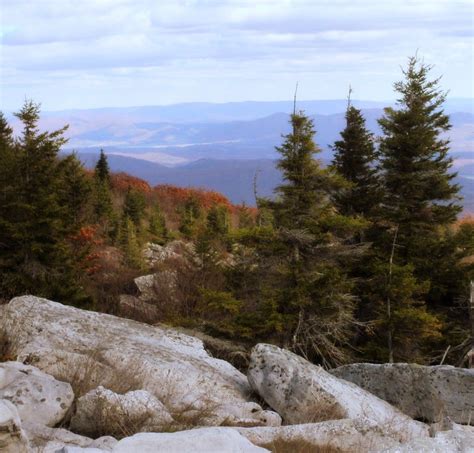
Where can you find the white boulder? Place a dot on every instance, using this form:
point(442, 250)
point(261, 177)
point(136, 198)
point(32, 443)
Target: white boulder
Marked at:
point(303, 393)
point(103, 411)
point(422, 392)
point(203, 440)
point(38, 397)
point(91, 349)
point(12, 436)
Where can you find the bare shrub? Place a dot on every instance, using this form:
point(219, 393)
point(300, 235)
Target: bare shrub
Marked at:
point(118, 421)
point(298, 445)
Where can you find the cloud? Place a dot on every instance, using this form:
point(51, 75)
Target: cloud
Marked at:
point(179, 43)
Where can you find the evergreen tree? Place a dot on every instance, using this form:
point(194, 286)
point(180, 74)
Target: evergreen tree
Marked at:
point(191, 212)
point(129, 244)
point(420, 195)
point(103, 209)
point(312, 291)
point(75, 192)
point(157, 226)
point(354, 159)
point(34, 254)
point(102, 171)
point(218, 221)
point(134, 206)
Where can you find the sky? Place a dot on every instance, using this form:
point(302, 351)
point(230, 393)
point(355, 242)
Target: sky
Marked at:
point(111, 53)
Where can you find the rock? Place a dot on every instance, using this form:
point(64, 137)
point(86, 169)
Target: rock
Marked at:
point(202, 440)
point(12, 437)
point(102, 410)
point(346, 435)
point(357, 435)
point(458, 440)
point(134, 308)
point(246, 414)
point(423, 392)
point(90, 349)
point(38, 397)
point(303, 393)
point(155, 254)
point(50, 440)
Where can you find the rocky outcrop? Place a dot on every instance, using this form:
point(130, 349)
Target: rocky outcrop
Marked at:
point(38, 397)
point(50, 440)
point(102, 410)
point(422, 392)
point(303, 393)
point(203, 440)
point(460, 439)
point(12, 436)
point(357, 436)
point(156, 254)
point(92, 349)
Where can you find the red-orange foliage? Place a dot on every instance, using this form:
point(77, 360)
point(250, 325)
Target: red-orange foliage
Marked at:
point(122, 181)
point(85, 244)
point(178, 195)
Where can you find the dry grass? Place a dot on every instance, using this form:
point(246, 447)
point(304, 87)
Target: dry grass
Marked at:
point(6, 352)
point(298, 445)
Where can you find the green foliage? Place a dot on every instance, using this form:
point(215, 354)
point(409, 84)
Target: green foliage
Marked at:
point(419, 192)
point(134, 206)
point(217, 221)
point(157, 226)
point(103, 209)
point(34, 212)
point(129, 244)
point(190, 215)
point(354, 159)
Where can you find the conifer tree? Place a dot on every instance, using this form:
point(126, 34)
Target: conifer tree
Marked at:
point(313, 292)
point(157, 226)
point(134, 206)
point(354, 159)
point(217, 221)
point(128, 242)
point(103, 209)
point(420, 195)
point(34, 255)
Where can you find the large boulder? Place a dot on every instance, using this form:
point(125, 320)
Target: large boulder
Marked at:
point(203, 440)
point(460, 439)
point(39, 397)
point(12, 436)
point(357, 436)
point(303, 393)
point(422, 392)
point(89, 349)
point(103, 411)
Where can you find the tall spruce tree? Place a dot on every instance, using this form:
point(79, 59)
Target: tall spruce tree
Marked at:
point(34, 254)
point(354, 159)
point(420, 195)
point(309, 283)
point(103, 209)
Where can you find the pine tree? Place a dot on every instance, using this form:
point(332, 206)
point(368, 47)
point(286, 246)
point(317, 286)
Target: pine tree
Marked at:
point(75, 193)
point(420, 195)
point(103, 209)
point(134, 206)
point(354, 159)
point(312, 290)
point(102, 171)
point(128, 242)
point(217, 221)
point(34, 253)
point(157, 226)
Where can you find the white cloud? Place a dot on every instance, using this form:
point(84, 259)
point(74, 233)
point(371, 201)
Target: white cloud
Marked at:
point(128, 52)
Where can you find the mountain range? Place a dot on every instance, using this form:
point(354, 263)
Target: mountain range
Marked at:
point(223, 146)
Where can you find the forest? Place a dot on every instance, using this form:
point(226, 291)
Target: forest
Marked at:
point(367, 259)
